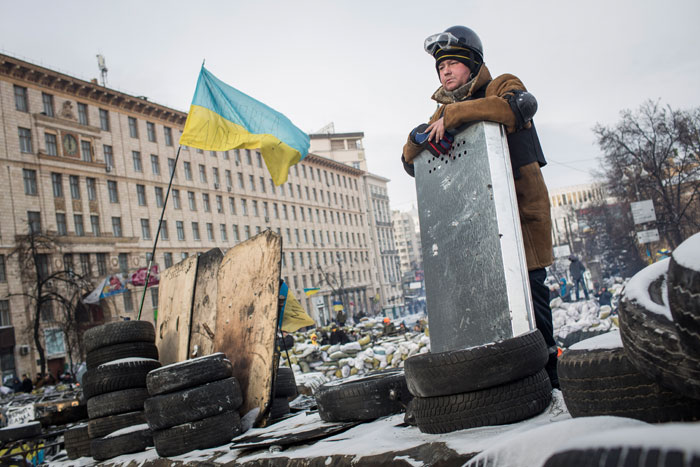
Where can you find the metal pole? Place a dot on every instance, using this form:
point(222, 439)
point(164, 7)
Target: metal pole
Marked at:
point(160, 223)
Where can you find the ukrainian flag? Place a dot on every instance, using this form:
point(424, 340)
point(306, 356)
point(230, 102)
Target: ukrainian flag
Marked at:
point(222, 118)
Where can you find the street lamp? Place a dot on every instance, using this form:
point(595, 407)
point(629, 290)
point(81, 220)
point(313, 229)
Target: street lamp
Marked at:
point(339, 260)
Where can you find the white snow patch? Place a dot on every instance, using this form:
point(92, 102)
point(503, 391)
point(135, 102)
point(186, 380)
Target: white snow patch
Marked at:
point(637, 288)
point(128, 429)
point(128, 360)
point(409, 460)
point(688, 253)
point(187, 362)
point(609, 340)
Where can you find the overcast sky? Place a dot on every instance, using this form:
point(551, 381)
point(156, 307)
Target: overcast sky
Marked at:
point(361, 64)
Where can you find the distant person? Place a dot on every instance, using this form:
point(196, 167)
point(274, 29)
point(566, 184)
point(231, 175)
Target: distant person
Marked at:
point(604, 297)
point(338, 336)
point(576, 268)
point(27, 385)
point(340, 318)
point(564, 290)
point(389, 327)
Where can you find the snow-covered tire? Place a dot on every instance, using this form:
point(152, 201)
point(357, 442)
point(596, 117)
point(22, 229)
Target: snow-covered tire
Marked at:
point(112, 403)
point(578, 336)
point(119, 351)
point(24, 431)
point(189, 373)
point(285, 384)
point(202, 434)
point(650, 338)
point(668, 445)
point(279, 408)
point(475, 368)
point(192, 404)
point(508, 403)
point(77, 442)
point(117, 375)
point(365, 398)
point(127, 443)
point(684, 301)
point(118, 332)
point(602, 381)
point(100, 427)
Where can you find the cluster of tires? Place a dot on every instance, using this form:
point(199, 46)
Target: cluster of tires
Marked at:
point(285, 388)
point(654, 373)
point(493, 384)
point(119, 356)
point(193, 405)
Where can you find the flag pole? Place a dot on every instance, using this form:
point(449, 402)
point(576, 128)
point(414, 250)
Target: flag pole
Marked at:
point(160, 223)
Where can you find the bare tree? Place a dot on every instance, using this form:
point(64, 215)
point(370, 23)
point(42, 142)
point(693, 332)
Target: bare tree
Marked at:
point(45, 290)
point(653, 153)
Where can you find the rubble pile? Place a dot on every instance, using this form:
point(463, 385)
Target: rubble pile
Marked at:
point(570, 317)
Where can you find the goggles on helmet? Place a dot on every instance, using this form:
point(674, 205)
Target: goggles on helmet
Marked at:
point(442, 40)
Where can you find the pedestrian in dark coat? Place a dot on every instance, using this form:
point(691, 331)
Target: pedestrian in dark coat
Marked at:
point(576, 268)
point(27, 385)
point(604, 297)
point(469, 94)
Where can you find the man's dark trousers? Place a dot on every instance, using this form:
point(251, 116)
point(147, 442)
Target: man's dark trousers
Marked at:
point(543, 319)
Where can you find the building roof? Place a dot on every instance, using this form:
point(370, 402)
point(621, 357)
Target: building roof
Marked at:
point(358, 134)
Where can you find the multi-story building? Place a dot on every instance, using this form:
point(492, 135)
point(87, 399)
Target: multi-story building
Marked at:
point(565, 201)
point(342, 147)
point(407, 242)
point(90, 167)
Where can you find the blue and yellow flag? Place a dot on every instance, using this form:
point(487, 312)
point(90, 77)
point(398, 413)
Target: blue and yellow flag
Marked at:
point(222, 118)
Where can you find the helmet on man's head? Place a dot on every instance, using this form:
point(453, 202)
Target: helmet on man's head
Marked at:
point(458, 43)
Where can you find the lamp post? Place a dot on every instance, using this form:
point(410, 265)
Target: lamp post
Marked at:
point(339, 260)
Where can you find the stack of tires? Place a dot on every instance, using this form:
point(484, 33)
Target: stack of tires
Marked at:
point(119, 356)
point(77, 441)
point(193, 405)
point(285, 389)
point(652, 371)
point(363, 398)
point(492, 384)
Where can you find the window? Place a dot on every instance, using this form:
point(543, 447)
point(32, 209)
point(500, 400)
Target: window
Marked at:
point(123, 262)
point(246, 229)
point(136, 156)
point(248, 159)
point(155, 164)
point(244, 207)
point(179, 226)
point(202, 174)
point(82, 114)
point(262, 184)
point(195, 231)
point(90, 183)
point(29, 181)
point(141, 194)
point(68, 262)
point(229, 181)
point(34, 221)
point(104, 119)
point(51, 145)
point(95, 225)
point(188, 170)
point(259, 158)
point(184, 255)
point(168, 133)
point(151, 131)
point(171, 166)
point(164, 230)
point(3, 271)
point(101, 264)
point(210, 231)
point(223, 233)
point(215, 173)
point(219, 204)
point(85, 264)
point(168, 259)
point(212, 153)
point(21, 101)
point(117, 226)
point(251, 179)
point(113, 192)
point(47, 100)
point(61, 228)
point(239, 176)
point(159, 196)
point(176, 199)
point(5, 317)
point(255, 208)
point(236, 236)
point(237, 155)
point(25, 140)
point(190, 198)
point(74, 186)
point(109, 155)
point(79, 227)
point(86, 150)
point(133, 128)
point(232, 205)
point(145, 229)
point(205, 202)
point(154, 296)
point(128, 301)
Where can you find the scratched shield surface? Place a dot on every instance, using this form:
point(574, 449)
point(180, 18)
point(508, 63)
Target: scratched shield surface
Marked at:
point(476, 281)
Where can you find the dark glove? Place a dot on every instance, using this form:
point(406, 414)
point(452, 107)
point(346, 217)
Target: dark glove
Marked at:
point(419, 136)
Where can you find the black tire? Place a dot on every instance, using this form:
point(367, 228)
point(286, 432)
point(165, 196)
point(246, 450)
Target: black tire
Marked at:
point(115, 376)
point(188, 374)
point(279, 408)
point(621, 457)
point(650, 341)
point(285, 384)
point(578, 336)
point(128, 443)
point(118, 333)
point(684, 301)
point(112, 403)
point(604, 382)
point(100, 427)
point(475, 368)
point(498, 405)
point(118, 351)
point(192, 404)
point(202, 434)
point(24, 431)
point(77, 442)
point(365, 398)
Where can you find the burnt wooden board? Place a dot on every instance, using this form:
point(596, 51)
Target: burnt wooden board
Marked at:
point(203, 324)
point(248, 290)
point(175, 294)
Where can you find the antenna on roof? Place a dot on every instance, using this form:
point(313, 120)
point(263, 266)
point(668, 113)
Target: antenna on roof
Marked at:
point(103, 69)
point(328, 129)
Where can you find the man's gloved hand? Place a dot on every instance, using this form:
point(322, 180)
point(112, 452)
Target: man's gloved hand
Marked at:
point(419, 136)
